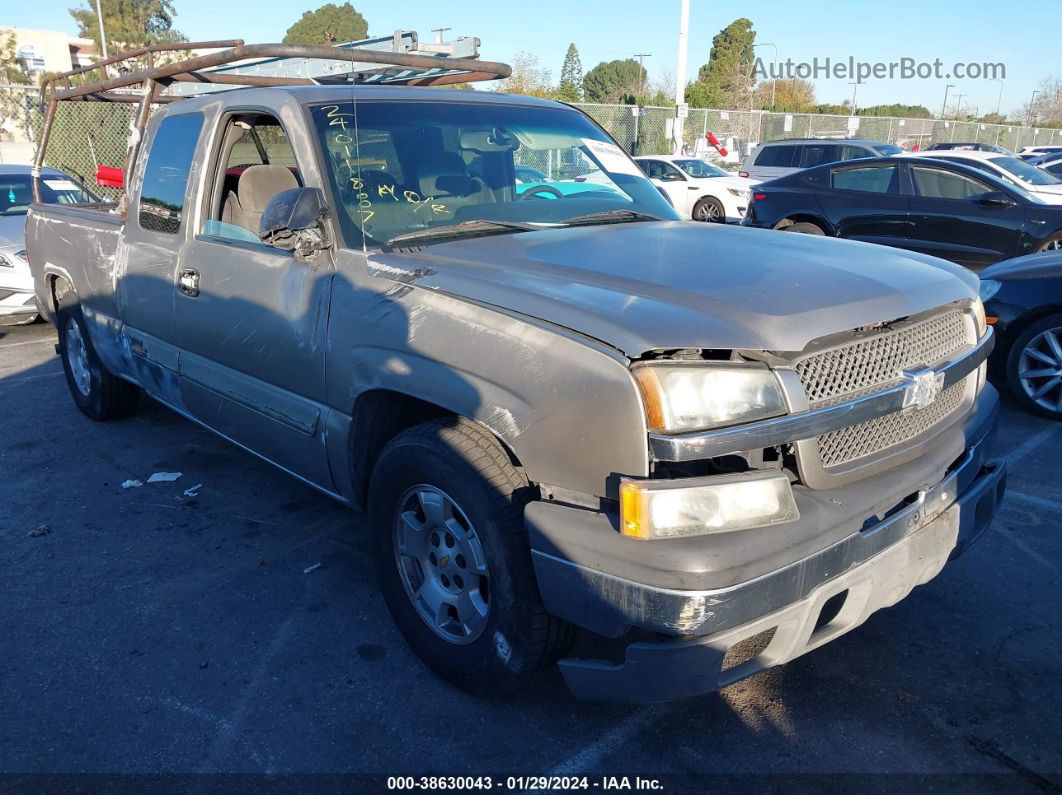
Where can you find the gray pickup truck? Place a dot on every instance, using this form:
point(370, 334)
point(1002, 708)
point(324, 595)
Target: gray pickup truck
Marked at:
point(712, 449)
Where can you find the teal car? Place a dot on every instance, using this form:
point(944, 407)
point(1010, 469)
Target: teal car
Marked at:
point(532, 182)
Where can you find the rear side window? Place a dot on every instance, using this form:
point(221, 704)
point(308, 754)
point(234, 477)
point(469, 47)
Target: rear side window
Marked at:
point(166, 174)
point(872, 179)
point(850, 152)
point(818, 154)
point(776, 156)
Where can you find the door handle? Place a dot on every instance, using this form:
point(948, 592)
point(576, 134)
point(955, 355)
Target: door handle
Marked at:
point(692, 187)
point(188, 282)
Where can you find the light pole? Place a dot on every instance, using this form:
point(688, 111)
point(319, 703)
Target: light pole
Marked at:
point(103, 35)
point(999, 100)
point(1032, 99)
point(855, 87)
point(641, 56)
point(680, 73)
point(944, 106)
point(774, 77)
point(958, 105)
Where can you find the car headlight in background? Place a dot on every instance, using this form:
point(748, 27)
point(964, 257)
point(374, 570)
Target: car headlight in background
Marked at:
point(5, 262)
point(688, 397)
point(741, 194)
point(698, 506)
point(989, 287)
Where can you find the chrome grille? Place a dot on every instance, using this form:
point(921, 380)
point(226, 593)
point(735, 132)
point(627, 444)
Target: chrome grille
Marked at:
point(877, 360)
point(859, 441)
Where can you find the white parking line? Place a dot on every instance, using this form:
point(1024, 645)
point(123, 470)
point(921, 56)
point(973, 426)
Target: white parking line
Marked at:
point(1039, 502)
point(1030, 444)
point(27, 342)
point(584, 760)
point(1032, 553)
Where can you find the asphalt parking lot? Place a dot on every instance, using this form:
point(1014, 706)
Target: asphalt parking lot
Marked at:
point(144, 630)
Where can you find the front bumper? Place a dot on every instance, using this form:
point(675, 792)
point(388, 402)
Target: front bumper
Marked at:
point(730, 632)
point(17, 303)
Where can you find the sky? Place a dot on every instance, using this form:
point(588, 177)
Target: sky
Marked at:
point(973, 31)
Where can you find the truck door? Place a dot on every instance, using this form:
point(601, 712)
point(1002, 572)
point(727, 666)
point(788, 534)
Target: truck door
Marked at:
point(252, 318)
point(157, 220)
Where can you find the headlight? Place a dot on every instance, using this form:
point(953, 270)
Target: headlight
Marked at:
point(689, 397)
point(979, 316)
point(716, 504)
point(741, 194)
point(989, 287)
point(5, 262)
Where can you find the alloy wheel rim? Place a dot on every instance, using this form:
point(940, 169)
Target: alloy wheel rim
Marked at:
point(708, 212)
point(77, 357)
point(1053, 245)
point(441, 564)
point(1040, 369)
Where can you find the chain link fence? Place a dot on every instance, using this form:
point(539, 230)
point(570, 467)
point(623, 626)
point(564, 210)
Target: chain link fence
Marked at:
point(88, 134)
point(648, 130)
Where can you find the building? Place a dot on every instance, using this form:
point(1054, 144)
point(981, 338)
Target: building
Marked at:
point(40, 51)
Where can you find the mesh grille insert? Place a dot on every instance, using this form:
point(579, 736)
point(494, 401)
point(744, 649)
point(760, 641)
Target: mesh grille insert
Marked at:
point(878, 360)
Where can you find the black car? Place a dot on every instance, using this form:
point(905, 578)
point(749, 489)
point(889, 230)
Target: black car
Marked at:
point(1023, 301)
point(975, 146)
point(935, 207)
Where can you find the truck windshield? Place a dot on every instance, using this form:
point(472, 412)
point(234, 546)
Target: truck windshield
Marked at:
point(405, 168)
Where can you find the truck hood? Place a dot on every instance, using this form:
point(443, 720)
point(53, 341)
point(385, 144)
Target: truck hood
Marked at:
point(672, 284)
point(12, 230)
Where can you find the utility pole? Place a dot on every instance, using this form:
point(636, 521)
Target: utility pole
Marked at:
point(641, 56)
point(999, 101)
point(680, 73)
point(103, 35)
point(1032, 99)
point(855, 87)
point(958, 105)
point(774, 77)
point(944, 107)
point(439, 34)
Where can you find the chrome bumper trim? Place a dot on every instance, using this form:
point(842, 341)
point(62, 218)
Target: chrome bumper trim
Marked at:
point(808, 424)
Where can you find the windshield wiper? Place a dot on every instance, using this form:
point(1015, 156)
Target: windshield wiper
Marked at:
point(478, 228)
point(610, 217)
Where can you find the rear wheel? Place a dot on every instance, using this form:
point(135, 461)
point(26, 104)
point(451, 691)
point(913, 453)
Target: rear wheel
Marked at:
point(451, 554)
point(804, 228)
point(709, 209)
point(96, 392)
point(1034, 367)
point(1054, 244)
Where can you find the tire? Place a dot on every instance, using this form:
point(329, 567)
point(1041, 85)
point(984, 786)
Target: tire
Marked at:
point(456, 467)
point(1051, 244)
point(1038, 350)
point(96, 392)
point(804, 228)
point(709, 209)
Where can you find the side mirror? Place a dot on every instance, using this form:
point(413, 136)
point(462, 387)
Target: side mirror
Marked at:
point(995, 198)
point(292, 221)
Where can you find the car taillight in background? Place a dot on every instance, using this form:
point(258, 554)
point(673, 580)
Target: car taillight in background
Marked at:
point(758, 197)
point(744, 174)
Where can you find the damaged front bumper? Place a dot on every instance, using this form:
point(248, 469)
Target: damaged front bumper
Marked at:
point(720, 635)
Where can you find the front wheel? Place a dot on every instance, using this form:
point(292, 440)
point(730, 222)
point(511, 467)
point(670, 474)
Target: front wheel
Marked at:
point(1034, 367)
point(709, 209)
point(1054, 244)
point(96, 392)
point(451, 555)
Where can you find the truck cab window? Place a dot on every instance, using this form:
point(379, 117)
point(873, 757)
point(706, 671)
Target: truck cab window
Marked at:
point(257, 162)
point(166, 175)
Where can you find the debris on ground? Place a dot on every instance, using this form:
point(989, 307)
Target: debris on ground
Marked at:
point(43, 530)
point(164, 477)
point(314, 567)
point(194, 491)
point(132, 484)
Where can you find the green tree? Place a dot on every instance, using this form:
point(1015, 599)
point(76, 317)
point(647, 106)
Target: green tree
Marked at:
point(727, 77)
point(10, 71)
point(329, 24)
point(571, 78)
point(615, 81)
point(128, 23)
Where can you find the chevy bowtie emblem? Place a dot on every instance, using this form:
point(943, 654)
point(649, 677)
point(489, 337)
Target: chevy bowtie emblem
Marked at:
point(923, 387)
